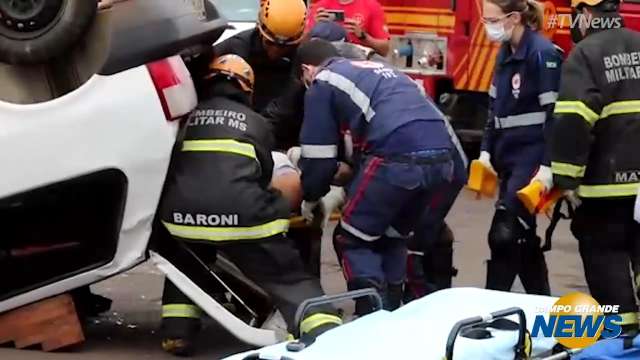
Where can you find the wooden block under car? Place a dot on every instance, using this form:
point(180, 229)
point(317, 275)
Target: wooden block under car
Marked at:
point(51, 323)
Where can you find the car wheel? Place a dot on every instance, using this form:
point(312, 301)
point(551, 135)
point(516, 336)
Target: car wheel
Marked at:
point(35, 31)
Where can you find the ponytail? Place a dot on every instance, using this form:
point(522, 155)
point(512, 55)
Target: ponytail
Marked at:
point(531, 11)
point(533, 15)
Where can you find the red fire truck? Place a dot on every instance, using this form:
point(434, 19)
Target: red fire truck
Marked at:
point(460, 79)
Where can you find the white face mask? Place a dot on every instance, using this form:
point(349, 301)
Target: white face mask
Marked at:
point(496, 32)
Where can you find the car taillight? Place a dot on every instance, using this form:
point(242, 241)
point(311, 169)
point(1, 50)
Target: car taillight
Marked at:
point(174, 85)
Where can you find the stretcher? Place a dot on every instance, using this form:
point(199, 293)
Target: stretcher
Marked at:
point(431, 328)
point(298, 222)
point(612, 349)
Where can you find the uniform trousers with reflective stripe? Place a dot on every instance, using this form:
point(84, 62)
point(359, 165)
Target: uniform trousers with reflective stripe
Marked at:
point(272, 263)
point(430, 260)
point(609, 243)
point(384, 203)
point(515, 246)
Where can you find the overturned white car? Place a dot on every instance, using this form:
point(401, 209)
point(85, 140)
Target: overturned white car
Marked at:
point(88, 123)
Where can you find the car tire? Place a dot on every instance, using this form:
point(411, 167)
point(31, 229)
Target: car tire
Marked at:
point(35, 31)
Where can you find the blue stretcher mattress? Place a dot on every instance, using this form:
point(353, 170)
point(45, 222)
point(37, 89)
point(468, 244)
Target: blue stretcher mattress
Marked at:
point(420, 330)
point(612, 349)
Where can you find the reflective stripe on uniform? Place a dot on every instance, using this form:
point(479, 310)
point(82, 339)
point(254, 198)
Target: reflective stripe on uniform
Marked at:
point(493, 92)
point(357, 233)
point(576, 107)
point(180, 311)
point(548, 98)
point(220, 145)
point(348, 87)
point(527, 119)
point(393, 233)
point(566, 169)
point(319, 151)
point(627, 318)
point(601, 191)
point(621, 107)
point(316, 320)
point(228, 233)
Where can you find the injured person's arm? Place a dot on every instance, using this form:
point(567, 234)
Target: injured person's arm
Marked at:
point(343, 175)
point(286, 179)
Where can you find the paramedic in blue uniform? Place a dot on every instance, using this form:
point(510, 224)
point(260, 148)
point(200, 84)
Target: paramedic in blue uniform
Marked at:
point(402, 152)
point(430, 261)
point(522, 97)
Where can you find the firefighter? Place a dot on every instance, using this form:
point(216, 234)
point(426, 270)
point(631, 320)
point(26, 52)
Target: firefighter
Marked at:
point(218, 195)
point(269, 47)
point(401, 153)
point(595, 150)
point(522, 95)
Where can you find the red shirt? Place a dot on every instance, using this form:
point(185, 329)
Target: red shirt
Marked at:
point(368, 13)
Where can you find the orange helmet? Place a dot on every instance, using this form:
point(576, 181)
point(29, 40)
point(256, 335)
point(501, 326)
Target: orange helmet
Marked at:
point(235, 67)
point(282, 21)
point(577, 3)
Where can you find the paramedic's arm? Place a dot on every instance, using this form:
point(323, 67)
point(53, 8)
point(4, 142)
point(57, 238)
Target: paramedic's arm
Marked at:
point(487, 136)
point(549, 65)
point(319, 142)
point(576, 111)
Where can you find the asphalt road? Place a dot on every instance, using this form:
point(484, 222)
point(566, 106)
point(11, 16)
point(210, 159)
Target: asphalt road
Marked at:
point(129, 330)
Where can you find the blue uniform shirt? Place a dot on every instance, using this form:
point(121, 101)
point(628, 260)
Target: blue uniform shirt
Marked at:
point(381, 109)
point(522, 96)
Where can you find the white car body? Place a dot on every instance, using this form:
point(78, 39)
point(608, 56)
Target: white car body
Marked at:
point(112, 121)
point(109, 122)
point(237, 28)
point(83, 132)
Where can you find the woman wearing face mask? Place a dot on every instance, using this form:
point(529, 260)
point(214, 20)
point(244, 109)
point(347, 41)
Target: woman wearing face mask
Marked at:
point(522, 97)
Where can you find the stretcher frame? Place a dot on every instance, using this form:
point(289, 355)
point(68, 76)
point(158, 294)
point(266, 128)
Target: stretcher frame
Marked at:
point(298, 222)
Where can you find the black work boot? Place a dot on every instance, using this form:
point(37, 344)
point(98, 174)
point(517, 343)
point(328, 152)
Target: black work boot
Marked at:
point(533, 271)
point(438, 269)
point(179, 335)
point(393, 297)
point(500, 275)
